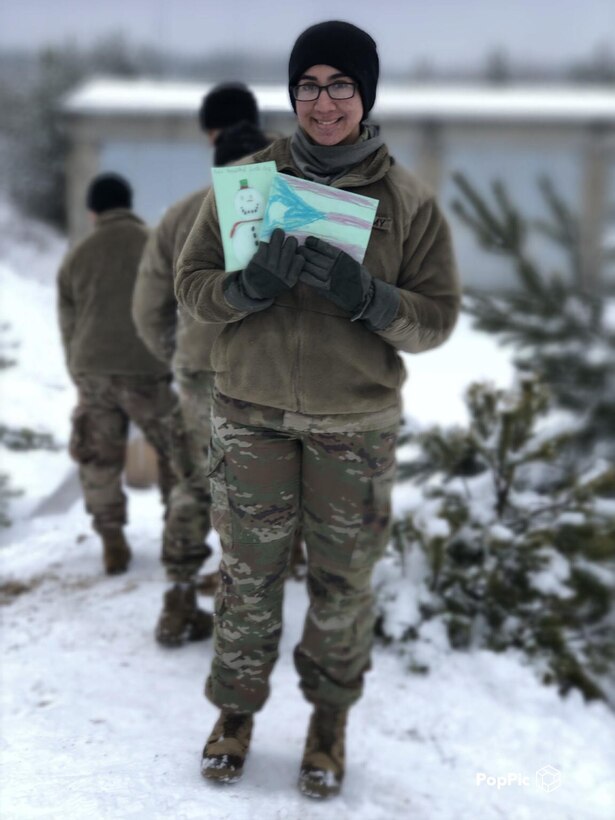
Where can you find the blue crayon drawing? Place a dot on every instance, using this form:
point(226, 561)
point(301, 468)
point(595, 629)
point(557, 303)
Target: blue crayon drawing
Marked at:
point(303, 208)
point(287, 209)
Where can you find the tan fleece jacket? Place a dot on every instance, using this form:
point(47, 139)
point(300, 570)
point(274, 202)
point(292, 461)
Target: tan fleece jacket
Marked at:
point(303, 354)
point(95, 285)
point(171, 334)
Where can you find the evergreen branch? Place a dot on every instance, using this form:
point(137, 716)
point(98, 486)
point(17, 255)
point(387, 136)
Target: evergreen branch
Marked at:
point(512, 219)
point(483, 222)
point(566, 222)
point(566, 230)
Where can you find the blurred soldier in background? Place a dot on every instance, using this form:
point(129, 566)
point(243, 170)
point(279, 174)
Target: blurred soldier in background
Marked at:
point(117, 378)
point(229, 117)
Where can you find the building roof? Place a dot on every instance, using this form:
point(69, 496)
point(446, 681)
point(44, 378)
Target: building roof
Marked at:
point(104, 97)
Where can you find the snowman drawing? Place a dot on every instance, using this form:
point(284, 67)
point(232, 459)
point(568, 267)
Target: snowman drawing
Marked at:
point(250, 207)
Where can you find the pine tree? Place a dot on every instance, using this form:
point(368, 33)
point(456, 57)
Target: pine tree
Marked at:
point(517, 544)
point(559, 327)
point(37, 175)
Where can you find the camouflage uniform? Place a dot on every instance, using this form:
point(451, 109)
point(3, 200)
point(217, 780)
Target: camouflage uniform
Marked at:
point(185, 346)
point(99, 433)
point(265, 465)
point(117, 378)
point(188, 520)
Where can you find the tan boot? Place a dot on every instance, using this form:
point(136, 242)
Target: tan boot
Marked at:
point(181, 620)
point(116, 552)
point(322, 767)
point(227, 746)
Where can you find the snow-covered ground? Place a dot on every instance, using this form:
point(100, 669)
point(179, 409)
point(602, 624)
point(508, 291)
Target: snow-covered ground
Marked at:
point(99, 722)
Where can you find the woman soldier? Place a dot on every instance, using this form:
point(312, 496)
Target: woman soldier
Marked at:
point(307, 404)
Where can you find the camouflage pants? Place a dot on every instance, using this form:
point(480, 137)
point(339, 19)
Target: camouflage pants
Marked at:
point(105, 406)
point(266, 468)
point(188, 521)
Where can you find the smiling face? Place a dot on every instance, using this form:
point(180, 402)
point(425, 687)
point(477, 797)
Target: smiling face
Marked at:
point(327, 121)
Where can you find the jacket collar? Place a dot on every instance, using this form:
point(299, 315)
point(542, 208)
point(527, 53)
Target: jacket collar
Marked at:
point(370, 170)
point(117, 215)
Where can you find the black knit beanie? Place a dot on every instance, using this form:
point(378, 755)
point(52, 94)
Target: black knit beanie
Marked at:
point(107, 191)
point(342, 46)
point(238, 141)
point(227, 104)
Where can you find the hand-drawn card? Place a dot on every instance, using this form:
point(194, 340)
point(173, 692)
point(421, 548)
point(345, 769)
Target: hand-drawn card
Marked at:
point(303, 208)
point(241, 193)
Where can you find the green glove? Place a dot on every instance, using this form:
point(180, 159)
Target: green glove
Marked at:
point(274, 268)
point(348, 284)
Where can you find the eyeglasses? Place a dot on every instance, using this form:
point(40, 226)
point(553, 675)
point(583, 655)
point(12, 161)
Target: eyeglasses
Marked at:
point(308, 92)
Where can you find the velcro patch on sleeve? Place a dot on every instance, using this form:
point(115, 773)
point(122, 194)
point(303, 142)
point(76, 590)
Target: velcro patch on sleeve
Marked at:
point(383, 223)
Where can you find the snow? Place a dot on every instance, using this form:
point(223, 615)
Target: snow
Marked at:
point(101, 95)
point(27, 247)
point(434, 389)
point(401, 596)
point(609, 315)
point(595, 472)
point(501, 533)
point(556, 422)
point(551, 580)
point(599, 354)
point(100, 722)
point(552, 103)
point(36, 393)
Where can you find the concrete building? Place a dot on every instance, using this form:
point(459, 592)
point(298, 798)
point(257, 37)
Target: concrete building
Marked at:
point(148, 131)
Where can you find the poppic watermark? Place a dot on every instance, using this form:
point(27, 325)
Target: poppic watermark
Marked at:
point(502, 781)
point(547, 778)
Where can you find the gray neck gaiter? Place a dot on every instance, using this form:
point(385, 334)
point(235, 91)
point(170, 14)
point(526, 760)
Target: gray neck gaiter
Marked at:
point(326, 163)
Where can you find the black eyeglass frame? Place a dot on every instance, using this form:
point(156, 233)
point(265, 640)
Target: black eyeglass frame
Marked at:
point(322, 88)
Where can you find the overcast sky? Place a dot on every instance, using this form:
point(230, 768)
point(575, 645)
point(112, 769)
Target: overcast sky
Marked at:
point(445, 32)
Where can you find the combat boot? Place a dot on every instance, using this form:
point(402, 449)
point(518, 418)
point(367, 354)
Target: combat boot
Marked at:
point(181, 620)
point(226, 747)
point(322, 767)
point(116, 552)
